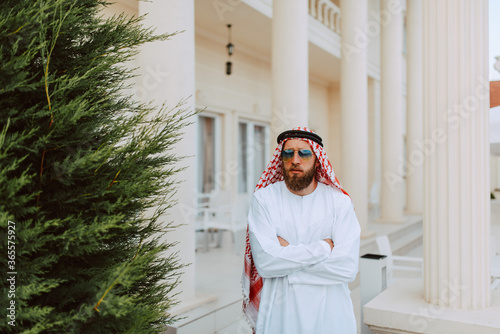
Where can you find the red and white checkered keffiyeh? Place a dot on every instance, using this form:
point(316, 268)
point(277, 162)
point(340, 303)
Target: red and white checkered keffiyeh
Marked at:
point(252, 282)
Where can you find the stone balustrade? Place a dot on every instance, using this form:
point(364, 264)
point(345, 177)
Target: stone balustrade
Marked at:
point(326, 12)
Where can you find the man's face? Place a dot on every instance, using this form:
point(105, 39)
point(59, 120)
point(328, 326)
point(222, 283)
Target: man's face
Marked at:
point(299, 172)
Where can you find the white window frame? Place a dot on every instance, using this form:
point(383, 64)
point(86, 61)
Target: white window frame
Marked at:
point(250, 125)
point(217, 149)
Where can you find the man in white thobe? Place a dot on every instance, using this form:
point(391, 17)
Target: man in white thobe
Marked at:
point(303, 240)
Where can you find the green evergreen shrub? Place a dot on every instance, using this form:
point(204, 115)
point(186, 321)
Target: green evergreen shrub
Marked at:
point(85, 173)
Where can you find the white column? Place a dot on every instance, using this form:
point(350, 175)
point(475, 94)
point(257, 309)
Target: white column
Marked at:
point(456, 169)
point(290, 71)
point(334, 145)
point(167, 75)
point(414, 153)
point(392, 196)
point(354, 107)
point(374, 135)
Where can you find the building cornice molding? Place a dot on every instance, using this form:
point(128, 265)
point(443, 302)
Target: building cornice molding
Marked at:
point(323, 37)
point(262, 6)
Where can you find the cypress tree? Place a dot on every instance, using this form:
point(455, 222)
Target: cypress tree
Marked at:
point(85, 174)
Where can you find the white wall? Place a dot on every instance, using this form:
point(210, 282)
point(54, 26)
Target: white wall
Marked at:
point(318, 111)
point(373, 53)
point(247, 90)
point(129, 8)
point(245, 94)
point(333, 145)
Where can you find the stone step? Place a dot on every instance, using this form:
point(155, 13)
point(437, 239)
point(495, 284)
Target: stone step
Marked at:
point(404, 238)
point(209, 319)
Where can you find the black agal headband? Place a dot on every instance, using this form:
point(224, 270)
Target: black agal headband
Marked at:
point(300, 134)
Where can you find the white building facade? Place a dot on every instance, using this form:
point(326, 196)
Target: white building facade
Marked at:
point(370, 77)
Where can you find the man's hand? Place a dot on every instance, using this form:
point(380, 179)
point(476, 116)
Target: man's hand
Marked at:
point(283, 242)
point(330, 242)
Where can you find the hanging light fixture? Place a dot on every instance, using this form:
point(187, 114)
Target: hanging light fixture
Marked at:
point(230, 49)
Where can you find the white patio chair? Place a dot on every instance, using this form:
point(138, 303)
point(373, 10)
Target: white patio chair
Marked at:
point(202, 203)
point(397, 262)
point(222, 212)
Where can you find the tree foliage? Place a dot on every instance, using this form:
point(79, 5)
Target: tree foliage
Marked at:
point(85, 174)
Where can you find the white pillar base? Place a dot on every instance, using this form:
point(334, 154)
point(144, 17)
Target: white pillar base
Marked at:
point(401, 309)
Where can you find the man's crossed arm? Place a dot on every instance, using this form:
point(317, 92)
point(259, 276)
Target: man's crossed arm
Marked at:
point(285, 243)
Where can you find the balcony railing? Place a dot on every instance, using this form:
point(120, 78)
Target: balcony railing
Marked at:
point(326, 12)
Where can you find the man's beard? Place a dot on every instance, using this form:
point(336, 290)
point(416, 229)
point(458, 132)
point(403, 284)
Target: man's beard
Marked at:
point(296, 182)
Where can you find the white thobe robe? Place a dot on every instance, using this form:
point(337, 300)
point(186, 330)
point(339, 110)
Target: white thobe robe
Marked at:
point(305, 283)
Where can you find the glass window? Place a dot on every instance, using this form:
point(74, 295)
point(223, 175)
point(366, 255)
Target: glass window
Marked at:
point(252, 154)
point(259, 162)
point(206, 154)
point(242, 158)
